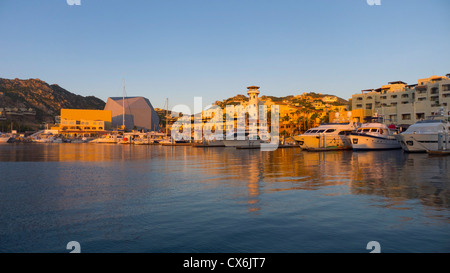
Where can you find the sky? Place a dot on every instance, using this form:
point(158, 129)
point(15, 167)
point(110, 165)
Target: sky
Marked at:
point(214, 49)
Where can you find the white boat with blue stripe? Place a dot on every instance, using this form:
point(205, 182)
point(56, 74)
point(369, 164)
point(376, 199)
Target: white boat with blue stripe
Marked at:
point(374, 136)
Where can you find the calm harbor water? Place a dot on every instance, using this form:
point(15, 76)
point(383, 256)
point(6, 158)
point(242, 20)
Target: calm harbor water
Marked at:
point(125, 198)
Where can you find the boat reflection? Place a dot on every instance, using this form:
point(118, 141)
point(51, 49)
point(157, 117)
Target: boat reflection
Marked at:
point(394, 177)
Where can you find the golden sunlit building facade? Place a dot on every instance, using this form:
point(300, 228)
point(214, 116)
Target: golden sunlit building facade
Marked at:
point(84, 122)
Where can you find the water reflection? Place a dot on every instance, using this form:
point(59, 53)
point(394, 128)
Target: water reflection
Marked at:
point(395, 176)
point(401, 177)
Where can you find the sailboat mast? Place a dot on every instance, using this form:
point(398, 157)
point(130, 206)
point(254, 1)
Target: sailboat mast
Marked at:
point(123, 104)
point(167, 114)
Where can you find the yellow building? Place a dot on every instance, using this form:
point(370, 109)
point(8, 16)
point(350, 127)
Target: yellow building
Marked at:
point(84, 122)
point(85, 114)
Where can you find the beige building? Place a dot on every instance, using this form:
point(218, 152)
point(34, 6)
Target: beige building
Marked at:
point(400, 103)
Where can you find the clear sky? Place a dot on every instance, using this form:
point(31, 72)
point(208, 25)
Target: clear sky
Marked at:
point(179, 49)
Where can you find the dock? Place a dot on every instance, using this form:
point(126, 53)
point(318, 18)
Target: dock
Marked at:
point(249, 147)
point(259, 147)
point(177, 144)
point(438, 152)
point(206, 146)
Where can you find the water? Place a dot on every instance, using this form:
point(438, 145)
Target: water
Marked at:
point(162, 199)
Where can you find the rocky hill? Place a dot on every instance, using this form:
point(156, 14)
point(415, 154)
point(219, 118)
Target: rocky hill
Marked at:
point(304, 99)
point(45, 99)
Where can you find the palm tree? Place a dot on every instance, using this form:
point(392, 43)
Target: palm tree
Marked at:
point(306, 111)
point(300, 121)
point(313, 117)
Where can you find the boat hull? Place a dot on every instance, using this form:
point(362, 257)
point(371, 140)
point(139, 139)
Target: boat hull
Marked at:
point(418, 143)
point(4, 139)
point(367, 142)
point(323, 142)
point(239, 143)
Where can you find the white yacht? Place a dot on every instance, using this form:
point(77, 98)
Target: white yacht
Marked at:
point(374, 136)
point(108, 138)
point(423, 135)
point(4, 138)
point(212, 141)
point(234, 140)
point(141, 138)
point(327, 136)
point(43, 138)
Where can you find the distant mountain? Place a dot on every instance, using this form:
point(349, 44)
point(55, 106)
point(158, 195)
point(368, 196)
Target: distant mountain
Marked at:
point(47, 100)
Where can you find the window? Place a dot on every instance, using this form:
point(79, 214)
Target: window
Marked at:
point(359, 98)
point(406, 116)
point(446, 87)
point(369, 106)
point(434, 98)
point(420, 115)
point(359, 106)
point(394, 96)
point(393, 103)
point(404, 102)
point(404, 95)
point(330, 130)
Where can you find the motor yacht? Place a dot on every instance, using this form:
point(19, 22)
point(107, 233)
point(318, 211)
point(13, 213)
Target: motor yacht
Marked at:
point(423, 135)
point(374, 136)
point(108, 139)
point(4, 138)
point(238, 140)
point(327, 136)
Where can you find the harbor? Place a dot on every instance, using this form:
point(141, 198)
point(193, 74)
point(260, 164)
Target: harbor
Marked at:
point(225, 135)
point(154, 198)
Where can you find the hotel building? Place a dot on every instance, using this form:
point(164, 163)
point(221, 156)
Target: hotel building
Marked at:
point(83, 122)
point(400, 103)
